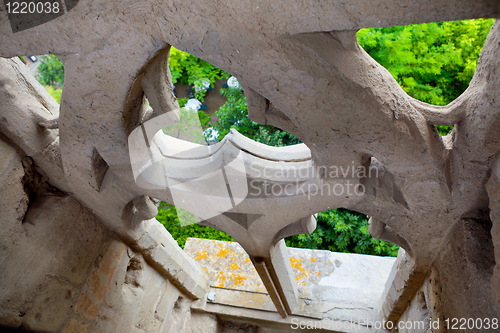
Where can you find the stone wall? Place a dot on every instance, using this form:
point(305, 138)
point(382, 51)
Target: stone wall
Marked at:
point(61, 270)
point(416, 318)
point(460, 284)
point(493, 187)
point(464, 271)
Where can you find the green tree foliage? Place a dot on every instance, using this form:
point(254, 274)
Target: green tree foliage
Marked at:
point(167, 216)
point(234, 114)
point(205, 119)
point(189, 127)
point(55, 93)
point(51, 71)
point(432, 62)
point(342, 230)
point(188, 69)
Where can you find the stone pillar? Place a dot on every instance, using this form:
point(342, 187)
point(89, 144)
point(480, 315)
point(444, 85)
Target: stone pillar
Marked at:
point(493, 188)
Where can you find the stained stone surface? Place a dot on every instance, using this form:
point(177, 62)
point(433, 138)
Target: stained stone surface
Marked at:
point(330, 284)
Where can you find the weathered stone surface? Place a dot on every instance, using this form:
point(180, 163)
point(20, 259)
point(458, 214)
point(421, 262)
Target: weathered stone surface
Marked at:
point(416, 317)
point(493, 188)
point(162, 252)
point(401, 287)
point(234, 327)
point(203, 323)
point(305, 73)
point(226, 263)
point(43, 271)
point(14, 201)
point(330, 285)
point(123, 294)
point(61, 271)
point(464, 272)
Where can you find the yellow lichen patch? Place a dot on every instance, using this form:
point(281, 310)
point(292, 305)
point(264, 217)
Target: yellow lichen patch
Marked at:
point(304, 282)
point(223, 251)
point(319, 273)
point(296, 263)
point(329, 263)
point(238, 279)
point(247, 260)
point(221, 279)
point(201, 255)
point(234, 266)
point(313, 260)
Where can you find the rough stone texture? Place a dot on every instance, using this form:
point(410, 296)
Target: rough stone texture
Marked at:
point(43, 271)
point(126, 296)
point(203, 323)
point(163, 253)
point(416, 318)
point(66, 274)
point(400, 287)
point(304, 72)
point(457, 287)
point(233, 327)
point(62, 271)
point(493, 187)
point(14, 205)
point(464, 272)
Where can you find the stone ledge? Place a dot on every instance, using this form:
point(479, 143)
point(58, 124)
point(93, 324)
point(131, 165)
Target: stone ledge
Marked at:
point(400, 288)
point(275, 321)
point(163, 253)
point(331, 285)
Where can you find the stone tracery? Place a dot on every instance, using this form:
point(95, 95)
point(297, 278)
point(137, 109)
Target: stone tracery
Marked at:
point(302, 71)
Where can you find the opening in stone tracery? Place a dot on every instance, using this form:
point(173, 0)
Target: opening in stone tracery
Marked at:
point(432, 62)
point(49, 71)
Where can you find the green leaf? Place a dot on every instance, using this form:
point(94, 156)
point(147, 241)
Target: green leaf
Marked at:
point(167, 215)
point(50, 71)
